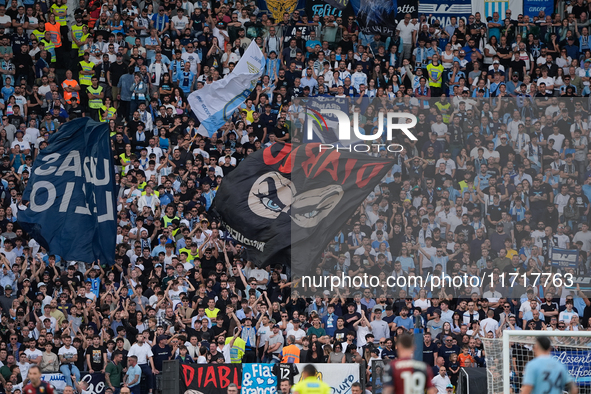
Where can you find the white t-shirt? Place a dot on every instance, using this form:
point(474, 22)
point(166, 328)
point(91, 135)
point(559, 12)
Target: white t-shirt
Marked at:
point(582, 72)
point(23, 144)
point(218, 34)
point(32, 21)
point(585, 238)
point(563, 239)
point(193, 59)
point(450, 165)
point(226, 353)
point(264, 333)
point(141, 352)
point(558, 140)
point(222, 161)
point(24, 368)
point(156, 151)
point(43, 89)
point(6, 19)
point(10, 256)
point(488, 154)
point(423, 304)
point(548, 81)
point(67, 353)
point(33, 354)
point(90, 295)
point(361, 333)
point(204, 320)
point(259, 274)
point(149, 174)
point(439, 129)
point(566, 316)
point(299, 334)
point(406, 31)
point(174, 295)
point(31, 135)
point(526, 307)
point(489, 324)
point(21, 101)
point(52, 319)
point(180, 23)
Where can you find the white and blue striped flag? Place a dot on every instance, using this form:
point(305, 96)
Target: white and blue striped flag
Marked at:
point(488, 7)
point(215, 103)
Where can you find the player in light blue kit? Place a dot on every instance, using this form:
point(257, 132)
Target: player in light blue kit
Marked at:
point(545, 374)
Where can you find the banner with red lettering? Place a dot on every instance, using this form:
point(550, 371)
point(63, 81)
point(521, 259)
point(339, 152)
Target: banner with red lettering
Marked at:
point(209, 379)
point(286, 202)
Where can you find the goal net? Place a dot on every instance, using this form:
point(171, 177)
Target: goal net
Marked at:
point(507, 356)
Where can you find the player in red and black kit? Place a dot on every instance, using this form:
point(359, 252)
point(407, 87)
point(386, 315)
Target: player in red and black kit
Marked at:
point(36, 386)
point(405, 375)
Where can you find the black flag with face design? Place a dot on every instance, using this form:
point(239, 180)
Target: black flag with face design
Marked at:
point(286, 202)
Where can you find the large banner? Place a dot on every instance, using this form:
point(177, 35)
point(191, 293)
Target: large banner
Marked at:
point(340, 4)
point(288, 197)
point(215, 103)
point(209, 379)
point(258, 379)
point(339, 377)
point(96, 382)
point(442, 11)
point(71, 197)
point(584, 283)
point(381, 16)
point(276, 8)
point(578, 363)
point(57, 380)
point(322, 8)
point(290, 32)
point(534, 7)
point(564, 258)
point(489, 7)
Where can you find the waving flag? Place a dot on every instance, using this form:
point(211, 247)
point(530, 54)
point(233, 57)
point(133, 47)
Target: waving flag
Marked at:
point(285, 203)
point(215, 103)
point(71, 197)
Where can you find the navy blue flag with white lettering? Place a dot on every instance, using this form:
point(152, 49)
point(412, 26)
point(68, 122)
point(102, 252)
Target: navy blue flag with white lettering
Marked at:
point(71, 210)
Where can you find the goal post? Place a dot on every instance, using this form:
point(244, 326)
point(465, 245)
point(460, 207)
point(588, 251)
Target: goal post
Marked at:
point(501, 370)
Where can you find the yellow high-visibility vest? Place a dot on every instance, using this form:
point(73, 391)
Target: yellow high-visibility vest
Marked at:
point(86, 79)
point(95, 103)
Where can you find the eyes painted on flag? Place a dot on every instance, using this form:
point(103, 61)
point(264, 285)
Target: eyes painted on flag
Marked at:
point(272, 194)
point(271, 200)
point(310, 207)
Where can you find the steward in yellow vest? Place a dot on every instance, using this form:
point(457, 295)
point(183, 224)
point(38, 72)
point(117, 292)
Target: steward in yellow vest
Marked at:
point(95, 98)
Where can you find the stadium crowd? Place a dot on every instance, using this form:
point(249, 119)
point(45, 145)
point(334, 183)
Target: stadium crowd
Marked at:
point(500, 175)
